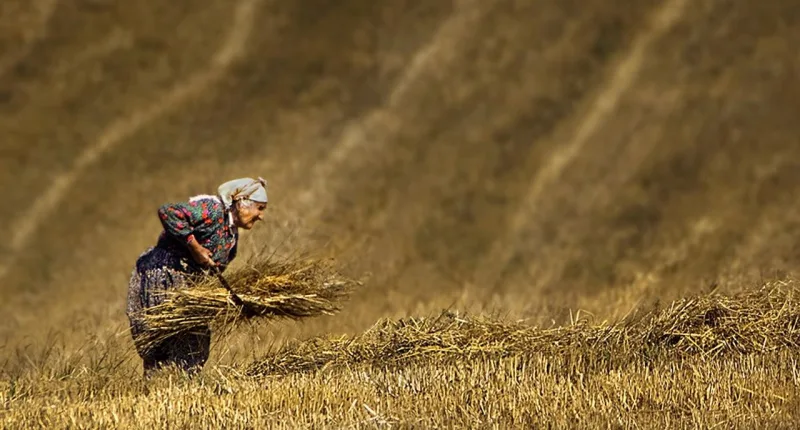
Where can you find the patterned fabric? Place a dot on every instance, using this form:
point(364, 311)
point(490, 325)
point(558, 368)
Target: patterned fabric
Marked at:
point(204, 219)
point(158, 270)
point(169, 265)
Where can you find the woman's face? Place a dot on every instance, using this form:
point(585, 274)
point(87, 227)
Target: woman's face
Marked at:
point(247, 213)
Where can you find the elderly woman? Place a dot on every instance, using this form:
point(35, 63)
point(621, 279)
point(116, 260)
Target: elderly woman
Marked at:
point(197, 235)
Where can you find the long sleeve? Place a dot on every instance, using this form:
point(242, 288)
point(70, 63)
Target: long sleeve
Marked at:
point(180, 219)
point(203, 220)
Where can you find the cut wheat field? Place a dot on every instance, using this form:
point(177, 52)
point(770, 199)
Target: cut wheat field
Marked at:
point(706, 361)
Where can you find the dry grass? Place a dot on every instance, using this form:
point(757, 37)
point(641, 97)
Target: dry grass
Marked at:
point(704, 361)
point(268, 289)
point(763, 320)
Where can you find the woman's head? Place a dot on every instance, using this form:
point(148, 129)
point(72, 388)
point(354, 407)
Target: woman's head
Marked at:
point(247, 212)
point(247, 198)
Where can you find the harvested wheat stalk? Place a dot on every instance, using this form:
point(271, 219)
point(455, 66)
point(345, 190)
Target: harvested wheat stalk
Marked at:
point(294, 290)
point(753, 321)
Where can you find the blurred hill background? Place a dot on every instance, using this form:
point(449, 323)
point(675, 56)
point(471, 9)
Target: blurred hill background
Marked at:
point(527, 156)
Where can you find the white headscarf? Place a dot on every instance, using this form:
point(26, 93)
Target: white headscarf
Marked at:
point(243, 188)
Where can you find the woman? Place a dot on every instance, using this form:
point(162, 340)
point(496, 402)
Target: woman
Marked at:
point(198, 234)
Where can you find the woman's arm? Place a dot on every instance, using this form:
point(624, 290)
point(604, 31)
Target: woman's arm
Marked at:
point(180, 220)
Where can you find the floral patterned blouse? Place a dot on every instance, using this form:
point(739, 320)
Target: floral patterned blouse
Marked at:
point(204, 219)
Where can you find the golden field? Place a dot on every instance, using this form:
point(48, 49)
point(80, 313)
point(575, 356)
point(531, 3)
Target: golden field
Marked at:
point(553, 169)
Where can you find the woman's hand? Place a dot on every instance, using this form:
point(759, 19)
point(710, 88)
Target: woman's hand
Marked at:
point(201, 256)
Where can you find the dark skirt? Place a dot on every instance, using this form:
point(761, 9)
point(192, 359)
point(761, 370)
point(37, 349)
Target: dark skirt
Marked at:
point(158, 270)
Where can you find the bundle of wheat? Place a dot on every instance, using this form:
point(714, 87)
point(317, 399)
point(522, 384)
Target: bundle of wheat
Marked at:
point(448, 336)
point(707, 325)
point(268, 289)
point(757, 320)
